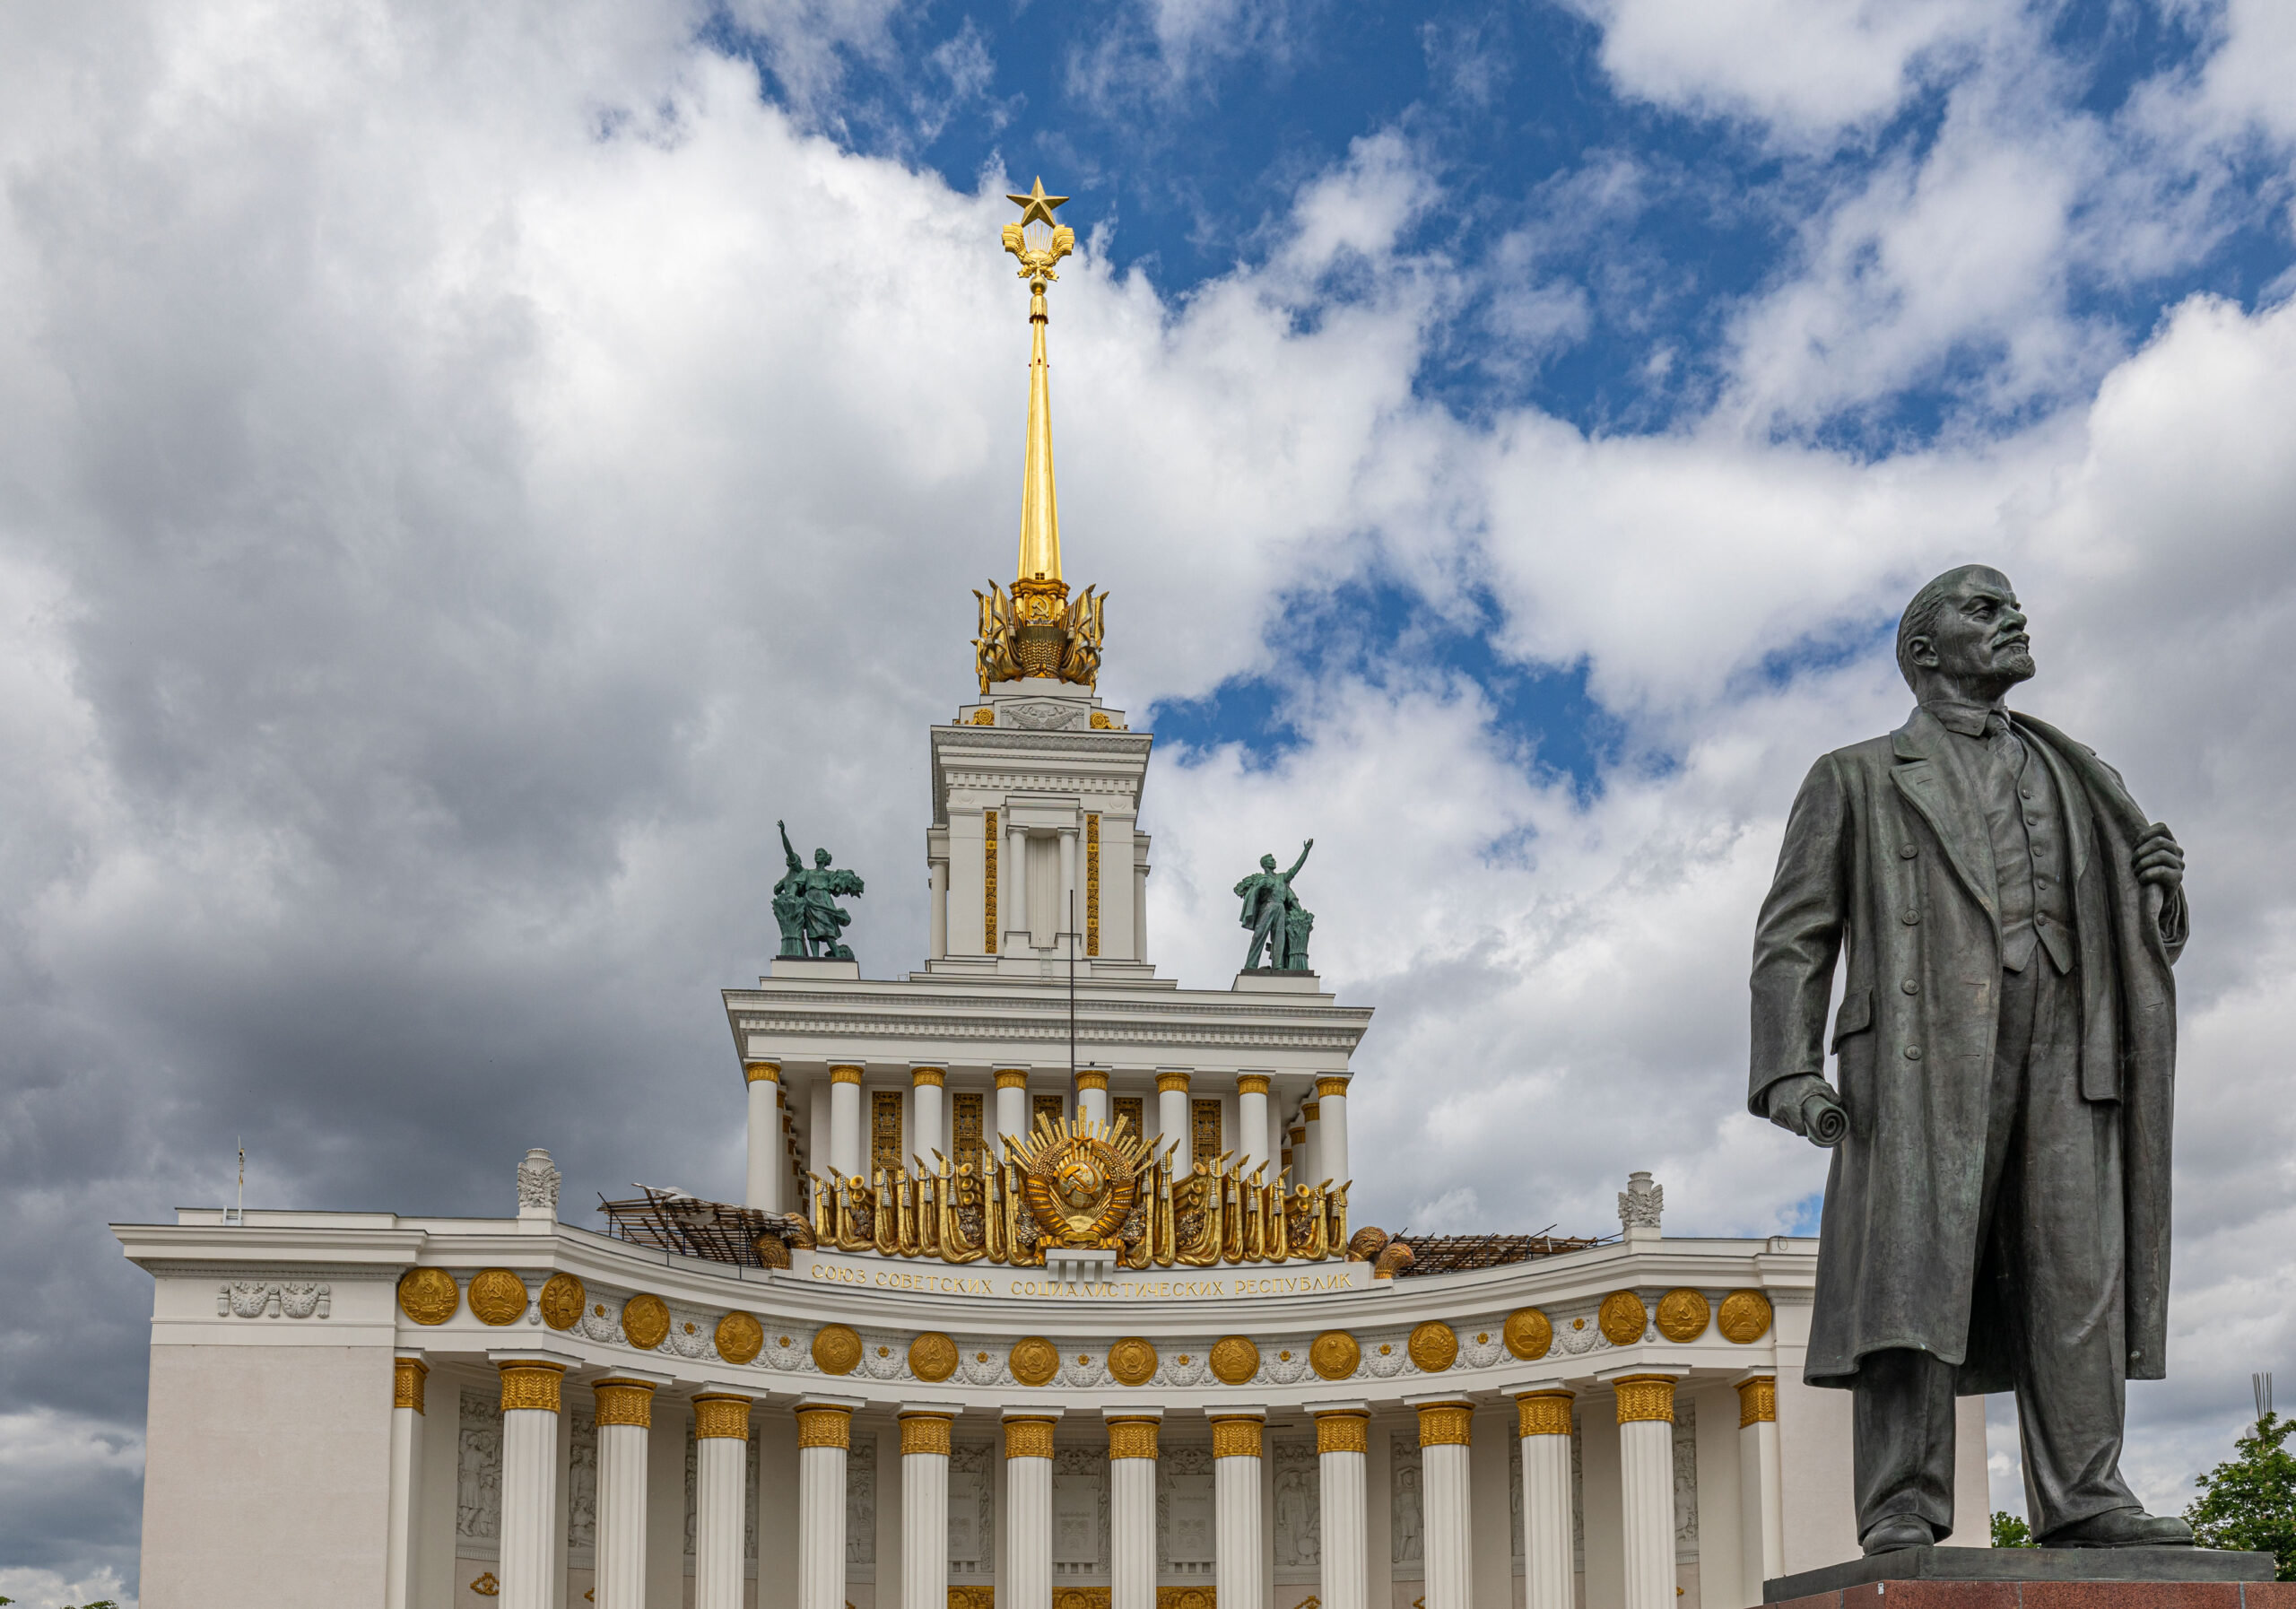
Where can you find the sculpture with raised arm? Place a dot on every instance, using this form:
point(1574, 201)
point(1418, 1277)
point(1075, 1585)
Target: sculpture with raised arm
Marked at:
point(1279, 923)
point(1997, 1216)
point(805, 903)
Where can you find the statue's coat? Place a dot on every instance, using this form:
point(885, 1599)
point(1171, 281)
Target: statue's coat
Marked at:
point(1886, 851)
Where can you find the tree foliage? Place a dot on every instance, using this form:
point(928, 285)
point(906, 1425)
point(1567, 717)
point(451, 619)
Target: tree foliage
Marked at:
point(2009, 1531)
point(2249, 1502)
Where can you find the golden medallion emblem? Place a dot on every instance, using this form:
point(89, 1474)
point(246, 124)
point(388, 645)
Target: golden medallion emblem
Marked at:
point(427, 1295)
point(932, 1357)
point(1234, 1360)
point(497, 1296)
point(1033, 1360)
point(1434, 1347)
point(1081, 1179)
point(740, 1337)
point(562, 1300)
point(1622, 1318)
point(836, 1349)
point(1682, 1314)
point(1528, 1332)
point(1745, 1317)
point(1132, 1361)
point(646, 1321)
point(1335, 1355)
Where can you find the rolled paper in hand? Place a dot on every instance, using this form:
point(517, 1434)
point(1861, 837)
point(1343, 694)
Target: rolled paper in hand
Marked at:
point(1822, 1119)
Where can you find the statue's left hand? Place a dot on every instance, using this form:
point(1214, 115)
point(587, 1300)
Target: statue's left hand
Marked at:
point(2159, 859)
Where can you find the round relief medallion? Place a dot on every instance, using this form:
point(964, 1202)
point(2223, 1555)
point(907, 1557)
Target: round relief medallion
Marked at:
point(1335, 1354)
point(1622, 1318)
point(646, 1321)
point(1528, 1334)
point(427, 1295)
point(1682, 1314)
point(1032, 1361)
point(1132, 1362)
point(1433, 1346)
point(497, 1296)
point(562, 1300)
point(740, 1337)
point(932, 1357)
point(1234, 1360)
point(836, 1349)
point(1745, 1317)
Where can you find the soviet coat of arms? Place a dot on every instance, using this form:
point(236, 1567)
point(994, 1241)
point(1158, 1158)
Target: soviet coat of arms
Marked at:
point(1082, 1181)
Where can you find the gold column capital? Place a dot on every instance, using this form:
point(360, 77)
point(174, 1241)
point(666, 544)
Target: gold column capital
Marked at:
point(1447, 1424)
point(1347, 1430)
point(1309, 1111)
point(407, 1375)
point(1237, 1437)
point(845, 1074)
point(1028, 1439)
point(762, 1072)
point(924, 1433)
point(1758, 1401)
point(928, 1077)
point(1171, 1084)
point(1644, 1398)
point(625, 1402)
point(1251, 1083)
point(1091, 1078)
point(533, 1385)
point(824, 1427)
point(1132, 1439)
point(1331, 1089)
point(1543, 1414)
point(1012, 1078)
point(721, 1418)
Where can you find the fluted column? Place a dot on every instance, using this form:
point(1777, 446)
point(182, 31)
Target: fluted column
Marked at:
point(937, 928)
point(925, 1506)
point(1092, 1093)
point(1014, 911)
point(824, 1435)
point(926, 1128)
point(1172, 1118)
point(625, 1415)
point(767, 1162)
point(1445, 1434)
point(1071, 918)
point(1646, 1465)
point(1028, 1507)
point(1132, 1508)
point(407, 1375)
point(1761, 1516)
point(1543, 1420)
point(1251, 1118)
point(721, 1459)
point(845, 1138)
point(1331, 1121)
point(1308, 1163)
point(1342, 1440)
point(529, 1570)
point(1239, 1541)
point(1012, 1109)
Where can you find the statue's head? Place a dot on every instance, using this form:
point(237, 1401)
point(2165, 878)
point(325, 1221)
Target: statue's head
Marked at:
point(1964, 629)
point(1267, 863)
point(821, 859)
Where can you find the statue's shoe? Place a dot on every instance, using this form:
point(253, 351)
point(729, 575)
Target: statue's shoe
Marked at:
point(2122, 1527)
point(1898, 1532)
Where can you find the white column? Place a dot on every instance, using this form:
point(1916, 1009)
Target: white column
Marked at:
point(1445, 1430)
point(1331, 1118)
point(824, 1434)
point(1132, 1508)
point(845, 1137)
point(1140, 912)
point(925, 1506)
point(625, 1411)
point(1012, 1107)
point(1342, 1440)
point(928, 1130)
point(407, 1375)
point(530, 1538)
point(1172, 1117)
point(1028, 1507)
point(1761, 1515)
point(1307, 1166)
point(1013, 916)
point(1543, 1420)
point(1251, 1118)
point(1646, 1470)
point(721, 1457)
point(1072, 892)
point(767, 1160)
point(937, 939)
point(1238, 1538)
point(1092, 1093)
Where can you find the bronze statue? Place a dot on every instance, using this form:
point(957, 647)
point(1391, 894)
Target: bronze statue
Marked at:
point(1997, 1215)
point(805, 903)
point(1274, 913)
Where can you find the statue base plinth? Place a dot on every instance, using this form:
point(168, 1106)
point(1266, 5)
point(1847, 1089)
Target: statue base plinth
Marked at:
point(2040, 1578)
point(1269, 981)
point(790, 966)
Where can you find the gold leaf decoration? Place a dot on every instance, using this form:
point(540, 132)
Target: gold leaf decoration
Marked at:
point(1032, 1361)
point(932, 1357)
point(1335, 1355)
point(427, 1295)
point(1132, 1361)
point(562, 1300)
point(1234, 1360)
point(1683, 1314)
point(1745, 1317)
point(1528, 1334)
point(1622, 1318)
point(646, 1321)
point(836, 1349)
point(740, 1337)
point(498, 1297)
point(1434, 1347)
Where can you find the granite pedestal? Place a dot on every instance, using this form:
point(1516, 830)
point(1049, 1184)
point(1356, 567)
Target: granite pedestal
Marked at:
point(1979, 1577)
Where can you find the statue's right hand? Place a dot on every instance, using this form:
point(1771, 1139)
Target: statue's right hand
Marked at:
point(1805, 1104)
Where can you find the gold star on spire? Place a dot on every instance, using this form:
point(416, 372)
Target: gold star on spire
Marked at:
point(1036, 204)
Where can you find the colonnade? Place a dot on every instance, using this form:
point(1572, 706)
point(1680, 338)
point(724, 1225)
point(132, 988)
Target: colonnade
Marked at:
point(530, 1385)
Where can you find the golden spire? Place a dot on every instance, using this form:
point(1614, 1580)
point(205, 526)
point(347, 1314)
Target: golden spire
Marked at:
point(1036, 631)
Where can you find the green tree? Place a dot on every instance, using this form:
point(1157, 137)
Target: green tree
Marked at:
point(2249, 1502)
point(2009, 1531)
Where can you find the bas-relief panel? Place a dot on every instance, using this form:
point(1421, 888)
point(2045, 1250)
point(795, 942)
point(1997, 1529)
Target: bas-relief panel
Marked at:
point(1079, 1512)
point(861, 1503)
point(1406, 1508)
point(1685, 1482)
point(972, 1512)
point(1186, 1547)
point(478, 1470)
point(582, 1485)
point(1299, 1505)
point(750, 1498)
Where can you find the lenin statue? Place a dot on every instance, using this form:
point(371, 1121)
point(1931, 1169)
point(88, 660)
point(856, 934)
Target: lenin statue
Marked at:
point(1997, 1216)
